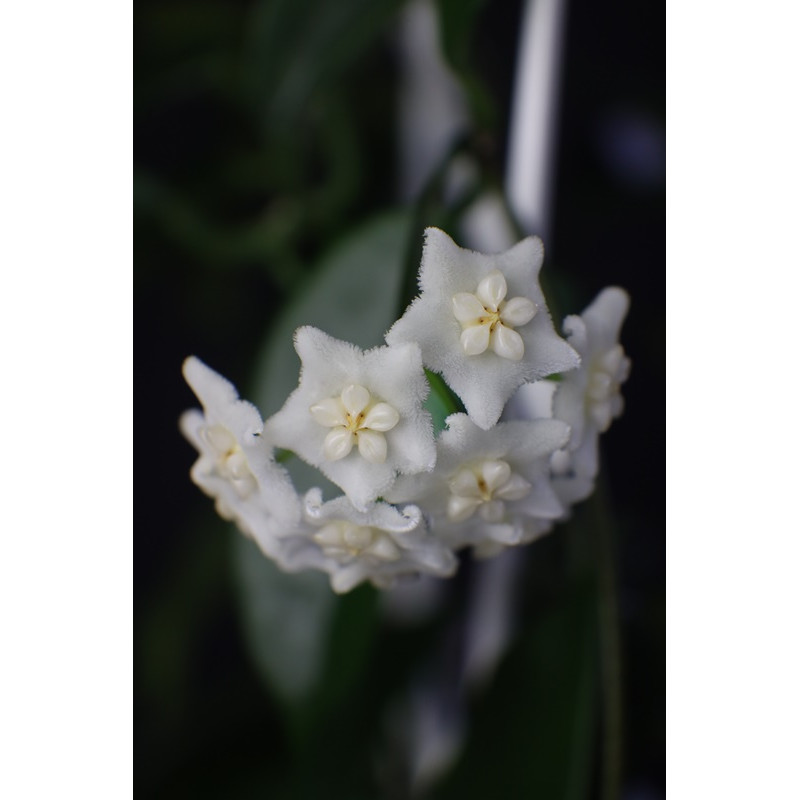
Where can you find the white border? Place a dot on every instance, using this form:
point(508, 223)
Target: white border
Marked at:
point(66, 331)
point(732, 263)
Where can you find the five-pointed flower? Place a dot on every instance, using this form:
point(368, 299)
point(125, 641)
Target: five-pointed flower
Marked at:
point(482, 322)
point(357, 415)
point(379, 544)
point(235, 465)
point(488, 485)
point(588, 398)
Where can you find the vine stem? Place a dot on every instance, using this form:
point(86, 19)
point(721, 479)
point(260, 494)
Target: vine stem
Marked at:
point(610, 650)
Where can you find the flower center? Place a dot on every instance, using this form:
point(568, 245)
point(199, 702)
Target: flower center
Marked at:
point(491, 318)
point(344, 541)
point(486, 485)
point(488, 319)
point(606, 374)
point(355, 417)
point(230, 461)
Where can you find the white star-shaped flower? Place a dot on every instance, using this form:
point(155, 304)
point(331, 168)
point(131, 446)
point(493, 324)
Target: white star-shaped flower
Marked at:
point(379, 544)
point(236, 467)
point(588, 398)
point(535, 401)
point(482, 322)
point(357, 415)
point(488, 485)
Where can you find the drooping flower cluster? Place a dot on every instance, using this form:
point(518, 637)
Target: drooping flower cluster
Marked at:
point(497, 476)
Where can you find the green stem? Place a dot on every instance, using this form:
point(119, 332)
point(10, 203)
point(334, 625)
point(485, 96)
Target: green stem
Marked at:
point(610, 649)
point(282, 456)
point(449, 399)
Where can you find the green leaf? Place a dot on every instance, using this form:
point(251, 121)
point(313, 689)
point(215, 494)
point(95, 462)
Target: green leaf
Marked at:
point(457, 22)
point(297, 49)
point(286, 620)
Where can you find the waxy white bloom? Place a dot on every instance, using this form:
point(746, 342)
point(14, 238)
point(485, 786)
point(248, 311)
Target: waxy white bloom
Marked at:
point(236, 467)
point(355, 418)
point(535, 528)
point(488, 319)
point(357, 415)
point(379, 544)
point(485, 485)
point(488, 485)
point(482, 322)
point(588, 398)
point(535, 401)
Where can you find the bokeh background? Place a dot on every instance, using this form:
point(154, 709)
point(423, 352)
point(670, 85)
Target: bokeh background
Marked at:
point(269, 143)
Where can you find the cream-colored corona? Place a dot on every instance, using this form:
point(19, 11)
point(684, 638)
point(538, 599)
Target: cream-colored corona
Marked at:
point(484, 486)
point(354, 418)
point(488, 319)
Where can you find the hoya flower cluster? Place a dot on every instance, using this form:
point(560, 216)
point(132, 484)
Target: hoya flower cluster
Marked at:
point(498, 475)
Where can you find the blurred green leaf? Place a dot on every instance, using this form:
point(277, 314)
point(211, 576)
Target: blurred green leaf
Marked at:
point(297, 49)
point(457, 19)
point(286, 621)
point(457, 23)
point(348, 652)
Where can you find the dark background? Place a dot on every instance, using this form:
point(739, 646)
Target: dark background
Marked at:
point(236, 198)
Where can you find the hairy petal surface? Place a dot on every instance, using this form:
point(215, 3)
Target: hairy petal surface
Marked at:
point(379, 544)
point(488, 485)
point(381, 390)
point(236, 465)
point(482, 378)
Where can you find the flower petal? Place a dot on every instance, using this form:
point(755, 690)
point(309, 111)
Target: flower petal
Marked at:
point(381, 417)
point(612, 359)
point(493, 511)
point(600, 386)
point(347, 578)
point(507, 343)
point(495, 473)
point(467, 307)
point(465, 484)
point(338, 444)
point(372, 446)
point(355, 398)
point(475, 339)
point(383, 548)
point(601, 415)
point(329, 534)
point(514, 489)
point(236, 464)
point(218, 438)
point(329, 412)
point(492, 289)
point(518, 311)
point(356, 537)
point(461, 508)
